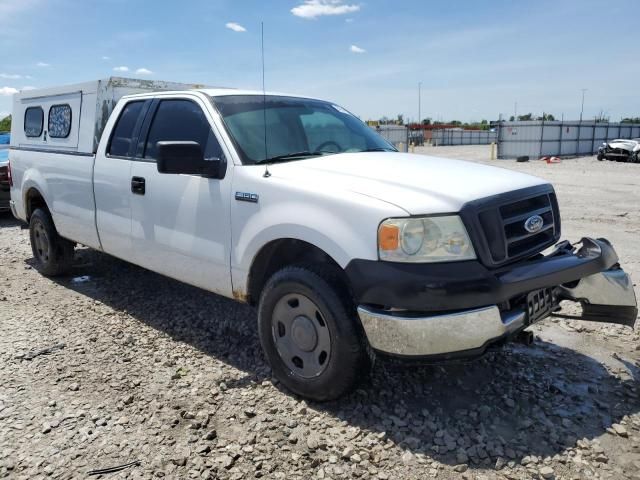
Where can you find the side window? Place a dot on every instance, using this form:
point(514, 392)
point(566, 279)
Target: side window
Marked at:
point(181, 120)
point(33, 121)
point(123, 131)
point(59, 121)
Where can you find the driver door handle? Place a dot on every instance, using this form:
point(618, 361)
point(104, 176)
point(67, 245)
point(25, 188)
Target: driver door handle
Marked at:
point(138, 185)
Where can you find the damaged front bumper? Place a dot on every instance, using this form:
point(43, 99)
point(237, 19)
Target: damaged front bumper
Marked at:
point(509, 299)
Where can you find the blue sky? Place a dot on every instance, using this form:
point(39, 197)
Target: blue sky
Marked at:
point(474, 59)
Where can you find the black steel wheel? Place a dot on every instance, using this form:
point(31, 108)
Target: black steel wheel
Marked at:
point(310, 333)
point(53, 254)
point(301, 335)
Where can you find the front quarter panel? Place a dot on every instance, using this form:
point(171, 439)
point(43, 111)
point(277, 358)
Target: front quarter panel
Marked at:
point(341, 223)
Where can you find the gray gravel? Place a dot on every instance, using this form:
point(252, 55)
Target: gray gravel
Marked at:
point(126, 366)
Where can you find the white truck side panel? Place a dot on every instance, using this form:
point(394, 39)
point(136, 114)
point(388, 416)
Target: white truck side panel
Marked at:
point(315, 214)
point(64, 180)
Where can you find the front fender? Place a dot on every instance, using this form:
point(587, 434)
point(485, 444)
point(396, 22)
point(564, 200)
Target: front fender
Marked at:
point(343, 233)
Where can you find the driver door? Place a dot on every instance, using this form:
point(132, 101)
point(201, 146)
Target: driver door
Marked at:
point(180, 223)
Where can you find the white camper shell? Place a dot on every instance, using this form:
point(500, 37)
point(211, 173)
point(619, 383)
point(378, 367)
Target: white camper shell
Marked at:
point(71, 118)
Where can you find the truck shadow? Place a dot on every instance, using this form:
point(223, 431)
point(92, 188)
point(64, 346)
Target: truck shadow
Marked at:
point(8, 220)
point(518, 402)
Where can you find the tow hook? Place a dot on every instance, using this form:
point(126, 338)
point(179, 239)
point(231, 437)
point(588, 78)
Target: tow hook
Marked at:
point(524, 337)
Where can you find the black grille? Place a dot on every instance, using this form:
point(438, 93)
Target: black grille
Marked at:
point(497, 224)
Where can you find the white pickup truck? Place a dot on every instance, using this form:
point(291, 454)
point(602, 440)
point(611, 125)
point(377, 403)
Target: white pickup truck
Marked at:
point(348, 248)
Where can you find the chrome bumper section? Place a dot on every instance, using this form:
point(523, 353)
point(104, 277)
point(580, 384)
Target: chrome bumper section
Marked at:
point(437, 334)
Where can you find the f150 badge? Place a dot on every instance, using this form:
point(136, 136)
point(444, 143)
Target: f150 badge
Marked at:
point(247, 197)
point(533, 224)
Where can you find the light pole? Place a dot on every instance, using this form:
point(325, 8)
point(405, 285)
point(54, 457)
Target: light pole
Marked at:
point(419, 103)
point(582, 106)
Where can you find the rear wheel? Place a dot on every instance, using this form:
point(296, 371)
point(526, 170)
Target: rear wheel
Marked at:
point(53, 254)
point(310, 334)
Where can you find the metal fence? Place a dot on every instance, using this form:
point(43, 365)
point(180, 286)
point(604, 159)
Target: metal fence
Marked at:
point(397, 135)
point(456, 136)
point(571, 138)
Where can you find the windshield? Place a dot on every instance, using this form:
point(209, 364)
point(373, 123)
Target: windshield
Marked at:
point(295, 128)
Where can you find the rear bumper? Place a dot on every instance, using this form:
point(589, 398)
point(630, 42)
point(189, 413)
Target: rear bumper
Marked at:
point(433, 314)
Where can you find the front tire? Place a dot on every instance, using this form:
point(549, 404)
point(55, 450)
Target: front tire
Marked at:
point(53, 254)
point(310, 334)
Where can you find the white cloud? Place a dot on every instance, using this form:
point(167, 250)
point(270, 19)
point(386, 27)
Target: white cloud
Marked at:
point(42, 64)
point(236, 27)
point(121, 69)
point(318, 8)
point(10, 76)
point(104, 57)
point(7, 91)
point(144, 71)
point(348, 20)
point(357, 49)
point(27, 88)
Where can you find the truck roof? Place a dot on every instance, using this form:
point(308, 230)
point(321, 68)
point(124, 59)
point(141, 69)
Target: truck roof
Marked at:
point(220, 92)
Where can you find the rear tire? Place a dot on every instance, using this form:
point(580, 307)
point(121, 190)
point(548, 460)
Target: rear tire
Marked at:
point(310, 334)
point(53, 254)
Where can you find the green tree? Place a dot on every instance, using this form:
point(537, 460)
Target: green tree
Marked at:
point(525, 117)
point(5, 124)
point(400, 119)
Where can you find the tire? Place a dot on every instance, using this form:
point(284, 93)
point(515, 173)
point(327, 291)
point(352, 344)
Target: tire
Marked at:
point(53, 254)
point(600, 157)
point(310, 334)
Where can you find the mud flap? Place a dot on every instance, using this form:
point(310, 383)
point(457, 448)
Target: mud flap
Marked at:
point(606, 297)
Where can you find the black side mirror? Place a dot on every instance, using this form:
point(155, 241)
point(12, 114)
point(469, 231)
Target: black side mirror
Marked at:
point(187, 158)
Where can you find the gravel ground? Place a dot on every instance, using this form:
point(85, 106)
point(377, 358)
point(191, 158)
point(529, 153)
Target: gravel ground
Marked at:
point(144, 369)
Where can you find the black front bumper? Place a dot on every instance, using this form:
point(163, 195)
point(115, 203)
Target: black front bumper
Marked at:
point(445, 287)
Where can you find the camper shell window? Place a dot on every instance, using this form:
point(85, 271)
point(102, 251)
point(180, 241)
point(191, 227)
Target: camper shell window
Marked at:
point(33, 121)
point(59, 121)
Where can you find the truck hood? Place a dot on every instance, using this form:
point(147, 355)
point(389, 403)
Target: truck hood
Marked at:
point(418, 184)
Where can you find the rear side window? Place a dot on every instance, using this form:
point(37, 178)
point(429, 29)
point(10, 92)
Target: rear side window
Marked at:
point(182, 120)
point(59, 121)
point(33, 121)
point(122, 137)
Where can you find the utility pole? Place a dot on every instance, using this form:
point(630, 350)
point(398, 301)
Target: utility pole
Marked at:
point(419, 103)
point(582, 107)
point(515, 111)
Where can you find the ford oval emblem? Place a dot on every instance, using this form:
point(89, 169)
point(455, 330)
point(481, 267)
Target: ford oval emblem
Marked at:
point(533, 224)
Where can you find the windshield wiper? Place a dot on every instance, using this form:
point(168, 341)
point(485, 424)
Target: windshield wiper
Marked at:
point(291, 156)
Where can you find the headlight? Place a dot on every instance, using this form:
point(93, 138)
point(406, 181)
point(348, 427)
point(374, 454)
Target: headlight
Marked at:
point(424, 239)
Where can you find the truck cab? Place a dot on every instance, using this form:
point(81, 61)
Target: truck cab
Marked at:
point(348, 248)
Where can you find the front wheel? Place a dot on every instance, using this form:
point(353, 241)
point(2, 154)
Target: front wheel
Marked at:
point(310, 334)
point(53, 254)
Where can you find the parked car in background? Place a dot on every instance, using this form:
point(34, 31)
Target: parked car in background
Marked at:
point(4, 172)
point(621, 150)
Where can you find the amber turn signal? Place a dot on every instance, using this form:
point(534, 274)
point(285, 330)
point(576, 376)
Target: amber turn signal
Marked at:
point(388, 237)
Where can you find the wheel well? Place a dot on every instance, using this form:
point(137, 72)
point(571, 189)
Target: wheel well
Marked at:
point(278, 254)
point(33, 200)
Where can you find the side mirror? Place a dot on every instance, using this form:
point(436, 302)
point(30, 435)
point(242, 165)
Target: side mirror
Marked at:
point(187, 158)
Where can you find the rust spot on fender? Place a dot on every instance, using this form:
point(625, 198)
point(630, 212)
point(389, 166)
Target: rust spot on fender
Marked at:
point(240, 296)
